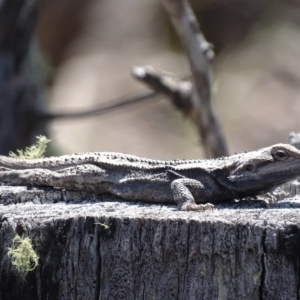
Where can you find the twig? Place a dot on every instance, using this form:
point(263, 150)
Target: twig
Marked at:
point(178, 91)
point(96, 110)
point(199, 54)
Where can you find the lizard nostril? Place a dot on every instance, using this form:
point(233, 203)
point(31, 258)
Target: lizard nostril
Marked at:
point(250, 167)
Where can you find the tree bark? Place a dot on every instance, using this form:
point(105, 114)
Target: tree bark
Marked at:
point(121, 250)
point(21, 83)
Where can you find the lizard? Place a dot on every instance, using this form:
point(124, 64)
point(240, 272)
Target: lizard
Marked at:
point(194, 184)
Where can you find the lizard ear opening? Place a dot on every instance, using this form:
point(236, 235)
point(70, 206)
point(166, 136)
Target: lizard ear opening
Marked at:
point(280, 154)
point(250, 168)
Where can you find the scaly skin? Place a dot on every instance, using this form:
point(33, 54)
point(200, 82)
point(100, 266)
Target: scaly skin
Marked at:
point(192, 184)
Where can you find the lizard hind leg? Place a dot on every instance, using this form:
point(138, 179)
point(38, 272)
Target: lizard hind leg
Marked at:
point(83, 177)
point(181, 189)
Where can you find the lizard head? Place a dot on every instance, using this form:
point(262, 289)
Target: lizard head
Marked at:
point(262, 170)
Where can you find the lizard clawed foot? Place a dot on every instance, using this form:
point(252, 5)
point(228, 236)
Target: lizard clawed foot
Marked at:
point(194, 207)
point(271, 198)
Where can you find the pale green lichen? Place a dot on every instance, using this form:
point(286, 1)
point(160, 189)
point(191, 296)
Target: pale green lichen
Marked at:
point(34, 151)
point(22, 255)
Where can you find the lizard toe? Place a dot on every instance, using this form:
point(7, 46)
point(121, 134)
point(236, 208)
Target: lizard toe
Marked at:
point(197, 207)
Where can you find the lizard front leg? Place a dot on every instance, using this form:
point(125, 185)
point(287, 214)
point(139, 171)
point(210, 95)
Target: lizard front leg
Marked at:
point(183, 190)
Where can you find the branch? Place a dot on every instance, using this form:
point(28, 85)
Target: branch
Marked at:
point(176, 90)
point(198, 98)
point(199, 54)
point(96, 110)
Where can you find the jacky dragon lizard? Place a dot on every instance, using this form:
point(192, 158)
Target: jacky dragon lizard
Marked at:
point(192, 184)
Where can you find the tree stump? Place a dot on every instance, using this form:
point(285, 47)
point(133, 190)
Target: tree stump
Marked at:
point(104, 248)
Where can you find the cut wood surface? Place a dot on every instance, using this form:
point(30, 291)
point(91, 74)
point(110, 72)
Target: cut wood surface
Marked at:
point(105, 249)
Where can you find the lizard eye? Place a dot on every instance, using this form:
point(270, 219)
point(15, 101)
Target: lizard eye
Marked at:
point(280, 155)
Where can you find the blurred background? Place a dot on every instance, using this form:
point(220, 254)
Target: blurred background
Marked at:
point(79, 54)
